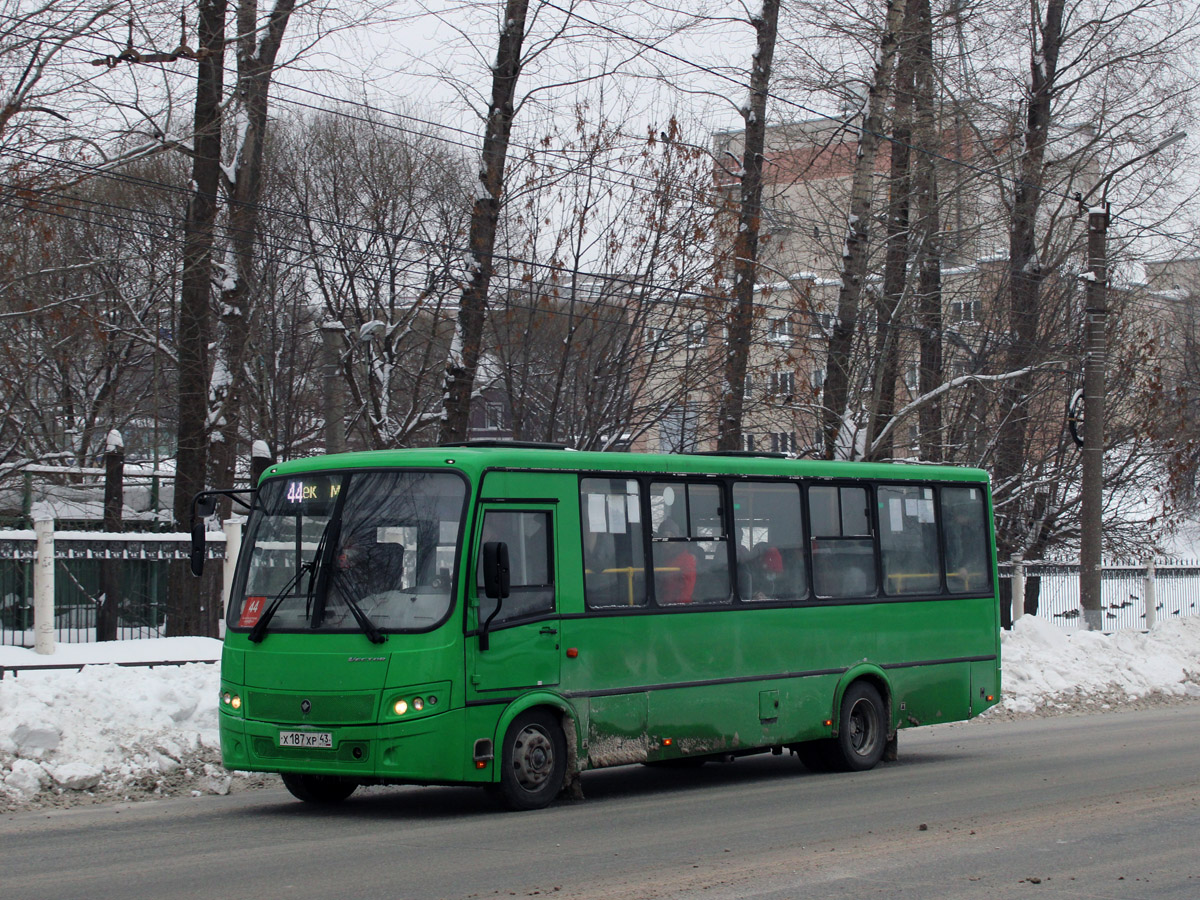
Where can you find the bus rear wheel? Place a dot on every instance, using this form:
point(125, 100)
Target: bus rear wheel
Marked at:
point(533, 764)
point(862, 729)
point(324, 790)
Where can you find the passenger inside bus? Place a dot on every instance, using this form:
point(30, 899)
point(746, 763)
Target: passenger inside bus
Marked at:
point(766, 569)
point(675, 567)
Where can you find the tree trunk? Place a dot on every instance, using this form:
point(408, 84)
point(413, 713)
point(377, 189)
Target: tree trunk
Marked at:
point(929, 284)
point(1025, 271)
point(463, 361)
point(256, 66)
point(886, 364)
point(193, 333)
point(854, 256)
point(741, 312)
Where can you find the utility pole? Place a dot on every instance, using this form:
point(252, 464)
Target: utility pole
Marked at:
point(1092, 487)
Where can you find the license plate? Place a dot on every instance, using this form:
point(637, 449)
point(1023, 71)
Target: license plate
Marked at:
point(306, 739)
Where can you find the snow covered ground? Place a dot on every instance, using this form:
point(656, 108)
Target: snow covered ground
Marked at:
point(107, 732)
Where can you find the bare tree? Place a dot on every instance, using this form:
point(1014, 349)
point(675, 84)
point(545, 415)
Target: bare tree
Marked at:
point(257, 47)
point(608, 325)
point(741, 313)
point(837, 379)
point(463, 360)
point(382, 216)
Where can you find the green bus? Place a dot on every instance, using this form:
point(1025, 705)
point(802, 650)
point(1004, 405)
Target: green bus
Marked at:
point(512, 615)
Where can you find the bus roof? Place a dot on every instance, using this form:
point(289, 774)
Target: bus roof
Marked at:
point(474, 459)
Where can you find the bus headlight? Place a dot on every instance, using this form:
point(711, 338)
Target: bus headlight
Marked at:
point(416, 700)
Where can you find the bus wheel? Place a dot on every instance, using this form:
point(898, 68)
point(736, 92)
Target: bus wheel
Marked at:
point(862, 731)
point(534, 762)
point(320, 789)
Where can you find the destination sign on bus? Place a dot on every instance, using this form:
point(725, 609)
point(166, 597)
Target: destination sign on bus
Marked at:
point(312, 495)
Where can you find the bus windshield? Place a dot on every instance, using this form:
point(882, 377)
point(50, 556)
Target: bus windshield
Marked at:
point(319, 545)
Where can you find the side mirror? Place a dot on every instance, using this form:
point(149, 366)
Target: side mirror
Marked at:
point(496, 578)
point(496, 583)
point(197, 554)
point(203, 506)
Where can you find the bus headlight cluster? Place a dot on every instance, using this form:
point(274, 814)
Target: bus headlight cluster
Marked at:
point(233, 701)
point(416, 704)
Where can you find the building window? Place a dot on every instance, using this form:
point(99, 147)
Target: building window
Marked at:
point(695, 335)
point(783, 382)
point(748, 443)
point(781, 331)
point(655, 338)
point(966, 310)
point(816, 379)
point(493, 416)
point(822, 324)
point(783, 442)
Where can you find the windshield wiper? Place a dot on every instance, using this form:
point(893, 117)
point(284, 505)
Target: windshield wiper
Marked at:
point(320, 586)
point(259, 631)
point(364, 621)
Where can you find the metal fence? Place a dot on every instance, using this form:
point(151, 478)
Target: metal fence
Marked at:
point(1174, 587)
point(143, 563)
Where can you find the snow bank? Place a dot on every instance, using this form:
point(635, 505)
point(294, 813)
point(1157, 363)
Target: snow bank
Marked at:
point(1045, 666)
point(106, 728)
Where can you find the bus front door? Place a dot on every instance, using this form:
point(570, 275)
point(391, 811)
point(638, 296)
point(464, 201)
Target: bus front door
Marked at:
point(523, 634)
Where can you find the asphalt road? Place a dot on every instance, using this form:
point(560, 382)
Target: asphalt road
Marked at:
point(1098, 806)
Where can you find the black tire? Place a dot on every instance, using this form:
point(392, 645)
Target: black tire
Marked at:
point(862, 729)
point(324, 790)
point(533, 762)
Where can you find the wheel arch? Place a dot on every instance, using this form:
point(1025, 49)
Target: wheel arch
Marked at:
point(556, 706)
point(877, 678)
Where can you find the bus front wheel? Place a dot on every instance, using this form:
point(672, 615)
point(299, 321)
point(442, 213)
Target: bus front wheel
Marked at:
point(862, 729)
point(320, 789)
point(533, 762)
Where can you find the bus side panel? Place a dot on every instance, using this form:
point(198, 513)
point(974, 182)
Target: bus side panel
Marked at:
point(985, 686)
point(712, 681)
point(930, 652)
point(617, 731)
point(928, 694)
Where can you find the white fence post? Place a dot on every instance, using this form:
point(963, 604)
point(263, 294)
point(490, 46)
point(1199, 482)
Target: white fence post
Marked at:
point(233, 543)
point(43, 587)
point(1148, 593)
point(1018, 586)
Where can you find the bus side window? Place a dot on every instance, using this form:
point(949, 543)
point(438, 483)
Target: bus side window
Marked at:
point(965, 531)
point(529, 557)
point(843, 553)
point(614, 555)
point(908, 541)
point(690, 549)
point(770, 541)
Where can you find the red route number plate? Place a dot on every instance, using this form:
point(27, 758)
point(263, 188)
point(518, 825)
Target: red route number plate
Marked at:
point(323, 739)
point(251, 611)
